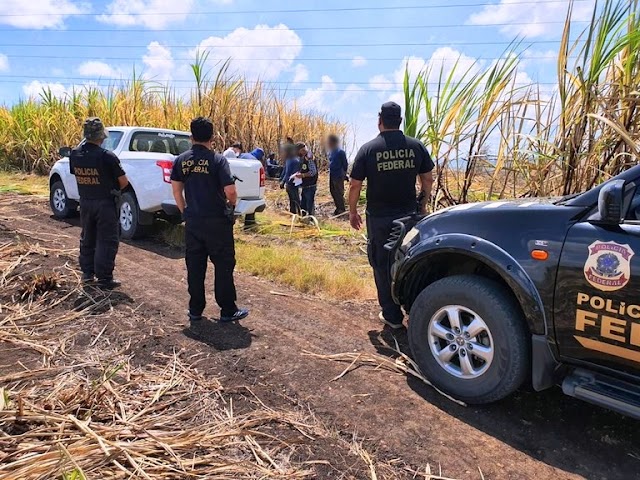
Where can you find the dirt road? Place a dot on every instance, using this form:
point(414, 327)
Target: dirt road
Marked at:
point(528, 436)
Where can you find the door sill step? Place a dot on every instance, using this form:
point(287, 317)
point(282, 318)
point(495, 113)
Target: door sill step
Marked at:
point(617, 395)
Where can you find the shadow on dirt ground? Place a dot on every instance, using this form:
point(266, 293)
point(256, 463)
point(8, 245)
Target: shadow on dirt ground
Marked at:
point(150, 243)
point(220, 336)
point(549, 426)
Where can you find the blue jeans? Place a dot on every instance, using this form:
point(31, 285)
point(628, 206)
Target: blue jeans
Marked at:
point(309, 199)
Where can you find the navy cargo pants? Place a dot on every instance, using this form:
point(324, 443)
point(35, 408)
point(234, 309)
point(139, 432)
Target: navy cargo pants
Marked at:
point(210, 238)
point(100, 237)
point(378, 231)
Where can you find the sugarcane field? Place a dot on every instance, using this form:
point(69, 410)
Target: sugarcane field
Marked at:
point(323, 240)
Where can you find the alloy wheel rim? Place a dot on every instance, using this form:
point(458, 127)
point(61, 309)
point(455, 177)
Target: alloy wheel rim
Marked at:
point(461, 342)
point(59, 199)
point(126, 216)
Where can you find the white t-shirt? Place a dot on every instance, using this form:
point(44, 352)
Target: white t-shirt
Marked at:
point(230, 153)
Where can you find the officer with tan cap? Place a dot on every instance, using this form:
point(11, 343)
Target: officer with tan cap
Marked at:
point(100, 179)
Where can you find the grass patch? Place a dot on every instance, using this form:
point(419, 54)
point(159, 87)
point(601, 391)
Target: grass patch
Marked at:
point(23, 184)
point(307, 264)
point(305, 270)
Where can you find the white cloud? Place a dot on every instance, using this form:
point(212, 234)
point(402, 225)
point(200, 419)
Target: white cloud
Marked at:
point(300, 73)
point(358, 61)
point(39, 13)
point(262, 52)
point(315, 98)
point(351, 94)
point(4, 63)
point(380, 82)
point(152, 14)
point(36, 88)
point(444, 59)
point(328, 96)
point(159, 62)
point(147, 13)
point(531, 19)
point(98, 69)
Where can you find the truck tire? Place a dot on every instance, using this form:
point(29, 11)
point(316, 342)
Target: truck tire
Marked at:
point(129, 217)
point(469, 338)
point(60, 204)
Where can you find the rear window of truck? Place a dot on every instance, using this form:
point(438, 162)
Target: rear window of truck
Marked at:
point(159, 142)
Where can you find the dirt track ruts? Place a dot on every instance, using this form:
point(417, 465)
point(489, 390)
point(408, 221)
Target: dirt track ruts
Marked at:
point(527, 436)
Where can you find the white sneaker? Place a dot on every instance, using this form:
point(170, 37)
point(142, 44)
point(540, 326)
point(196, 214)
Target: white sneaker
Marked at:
point(394, 325)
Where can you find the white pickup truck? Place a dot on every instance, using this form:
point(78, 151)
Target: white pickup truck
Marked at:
point(147, 156)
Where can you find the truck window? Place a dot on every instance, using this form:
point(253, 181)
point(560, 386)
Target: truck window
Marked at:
point(113, 140)
point(159, 142)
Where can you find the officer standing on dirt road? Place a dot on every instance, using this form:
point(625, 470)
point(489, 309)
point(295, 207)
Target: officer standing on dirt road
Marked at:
point(100, 179)
point(204, 178)
point(390, 163)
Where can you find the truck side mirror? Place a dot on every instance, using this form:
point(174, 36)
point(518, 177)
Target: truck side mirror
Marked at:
point(64, 152)
point(611, 203)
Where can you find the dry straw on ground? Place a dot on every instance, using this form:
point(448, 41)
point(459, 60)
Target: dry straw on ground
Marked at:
point(75, 412)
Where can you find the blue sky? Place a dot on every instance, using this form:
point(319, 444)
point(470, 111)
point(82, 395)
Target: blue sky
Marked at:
point(332, 56)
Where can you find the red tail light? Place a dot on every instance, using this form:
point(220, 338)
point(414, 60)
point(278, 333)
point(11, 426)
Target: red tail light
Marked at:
point(263, 177)
point(166, 166)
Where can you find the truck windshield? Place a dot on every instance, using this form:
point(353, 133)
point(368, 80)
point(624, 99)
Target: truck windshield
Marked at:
point(159, 142)
point(111, 142)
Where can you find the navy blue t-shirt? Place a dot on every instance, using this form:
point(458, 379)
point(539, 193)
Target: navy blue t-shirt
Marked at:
point(204, 174)
point(390, 163)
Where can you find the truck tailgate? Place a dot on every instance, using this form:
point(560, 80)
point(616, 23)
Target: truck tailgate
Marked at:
point(248, 173)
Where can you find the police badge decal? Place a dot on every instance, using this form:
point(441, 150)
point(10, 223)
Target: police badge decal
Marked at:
point(608, 267)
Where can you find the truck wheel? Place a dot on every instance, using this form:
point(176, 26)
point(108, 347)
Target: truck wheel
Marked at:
point(469, 337)
point(60, 204)
point(129, 216)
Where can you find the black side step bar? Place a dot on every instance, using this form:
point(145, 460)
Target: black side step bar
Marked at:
point(611, 393)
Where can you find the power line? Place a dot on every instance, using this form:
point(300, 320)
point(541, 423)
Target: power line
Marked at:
point(373, 27)
point(283, 91)
point(287, 59)
point(327, 45)
point(191, 81)
point(307, 10)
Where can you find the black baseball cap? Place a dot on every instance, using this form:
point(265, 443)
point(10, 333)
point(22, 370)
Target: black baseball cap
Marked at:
point(391, 111)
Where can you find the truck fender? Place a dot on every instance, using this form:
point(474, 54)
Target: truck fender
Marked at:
point(493, 257)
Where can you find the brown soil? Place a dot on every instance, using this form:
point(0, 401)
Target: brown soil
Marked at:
point(527, 436)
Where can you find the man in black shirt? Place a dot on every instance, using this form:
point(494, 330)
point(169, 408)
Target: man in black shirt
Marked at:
point(100, 179)
point(204, 178)
point(390, 163)
point(309, 176)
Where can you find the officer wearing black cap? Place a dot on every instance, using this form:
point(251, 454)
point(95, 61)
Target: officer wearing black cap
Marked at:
point(204, 178)
point(100, 179)
point(390, 163)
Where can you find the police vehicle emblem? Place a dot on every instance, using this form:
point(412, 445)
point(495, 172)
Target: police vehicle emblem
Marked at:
point(608, 267)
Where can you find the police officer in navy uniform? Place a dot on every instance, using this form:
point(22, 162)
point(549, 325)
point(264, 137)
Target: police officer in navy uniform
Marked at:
point(390, 164)
point(100, 179)
point(205, 193)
